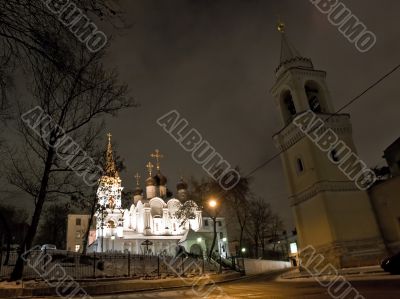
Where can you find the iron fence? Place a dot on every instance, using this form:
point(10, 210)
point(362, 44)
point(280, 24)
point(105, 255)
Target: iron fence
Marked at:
point(39, 264)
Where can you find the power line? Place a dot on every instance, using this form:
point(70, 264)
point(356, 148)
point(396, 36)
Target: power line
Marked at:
point(376, 83)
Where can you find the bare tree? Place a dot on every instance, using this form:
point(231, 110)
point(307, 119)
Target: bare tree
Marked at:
point(73, 107)
point(53, 225)
point(260, 216)
point(233, 200)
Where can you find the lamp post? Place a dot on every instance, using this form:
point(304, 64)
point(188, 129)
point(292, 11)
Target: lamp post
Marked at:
point(212, 204)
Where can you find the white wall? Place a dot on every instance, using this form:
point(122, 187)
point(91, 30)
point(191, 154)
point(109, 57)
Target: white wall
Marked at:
point(254, 266)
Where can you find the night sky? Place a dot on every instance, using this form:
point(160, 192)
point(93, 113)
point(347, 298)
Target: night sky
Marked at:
point(214, 62)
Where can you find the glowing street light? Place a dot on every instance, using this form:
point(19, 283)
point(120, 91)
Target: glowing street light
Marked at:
point(198, 240)
point(212, 203)
point(243, 250)
point(223, 239)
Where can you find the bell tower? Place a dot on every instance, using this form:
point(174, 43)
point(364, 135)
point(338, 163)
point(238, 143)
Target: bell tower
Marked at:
point(331, 213)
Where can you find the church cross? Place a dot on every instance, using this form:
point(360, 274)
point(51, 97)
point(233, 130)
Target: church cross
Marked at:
point(149, 167)
point(157, 155)
point(137, 177)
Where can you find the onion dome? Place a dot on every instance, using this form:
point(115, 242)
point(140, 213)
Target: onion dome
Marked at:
point(182, 185)
point(138, 191)
point(150, 181)
point(160, 179)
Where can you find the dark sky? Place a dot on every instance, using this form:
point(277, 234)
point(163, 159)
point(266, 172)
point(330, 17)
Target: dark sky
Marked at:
point(214, 62)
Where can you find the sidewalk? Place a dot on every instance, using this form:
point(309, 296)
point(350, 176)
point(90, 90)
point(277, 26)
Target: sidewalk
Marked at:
point(104, 287)
point(358, 273)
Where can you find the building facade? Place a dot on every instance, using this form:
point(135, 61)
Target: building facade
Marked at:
point(76, 230)
point(385, 198)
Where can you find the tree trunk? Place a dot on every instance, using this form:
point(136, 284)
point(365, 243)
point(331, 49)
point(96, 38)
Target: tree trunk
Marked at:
point(8, 237)
point(241, 240)
point(214, 238)
point(86, 238)
point(256, 246)
point(28, 240)
point(263, 246)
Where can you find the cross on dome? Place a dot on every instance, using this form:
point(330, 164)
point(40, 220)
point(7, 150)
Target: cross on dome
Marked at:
point(137, 177)
point(157, 155)
point(149, 167)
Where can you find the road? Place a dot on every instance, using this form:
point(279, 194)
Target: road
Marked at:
point(266, 286)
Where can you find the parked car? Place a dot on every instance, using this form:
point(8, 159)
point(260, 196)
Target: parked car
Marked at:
point(392, 264)
point(46, 247)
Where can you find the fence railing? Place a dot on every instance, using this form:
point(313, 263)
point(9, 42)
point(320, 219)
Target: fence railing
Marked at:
point(106, 265)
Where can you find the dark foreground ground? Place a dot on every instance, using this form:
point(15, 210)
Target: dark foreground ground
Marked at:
point(265, 286)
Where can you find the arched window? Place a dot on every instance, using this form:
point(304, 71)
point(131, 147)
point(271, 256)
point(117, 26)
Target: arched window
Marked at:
point(299, 165)
point(334, 156)
point(110, 224)
point(288, 101)
point(313, 96)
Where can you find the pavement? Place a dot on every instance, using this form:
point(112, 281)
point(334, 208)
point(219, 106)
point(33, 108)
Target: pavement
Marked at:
point(273, 286)
point(269, 287)
point(360, 283)
point(375, 272)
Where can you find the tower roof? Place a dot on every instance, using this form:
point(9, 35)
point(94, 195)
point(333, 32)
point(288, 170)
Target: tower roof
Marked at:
point(290, 57)
point(288, 51)
point(110, 168)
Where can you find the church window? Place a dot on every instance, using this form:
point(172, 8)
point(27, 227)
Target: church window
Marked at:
point(288, 100)
point(334, 156)
point(78, 235)
point(206, 222)
point(78, 221)
point(299, 165)
point(313, 97)
point(174, 226)
point(219, 223)
point(77, 248)
point(221, 235)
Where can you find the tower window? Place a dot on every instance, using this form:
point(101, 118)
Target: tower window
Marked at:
point(299, 165)
point(78, 221)
point(288, 100)
point(313, 97)
point(206, 222)
point(334, 156)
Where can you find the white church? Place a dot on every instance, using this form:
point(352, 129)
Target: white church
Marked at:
point(149, 225)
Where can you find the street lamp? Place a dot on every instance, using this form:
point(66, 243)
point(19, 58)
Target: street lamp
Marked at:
point(212, 203)
point(198, 240)
point(243, 250)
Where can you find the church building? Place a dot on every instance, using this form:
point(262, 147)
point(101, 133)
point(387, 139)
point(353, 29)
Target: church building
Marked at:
point(149, 225)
